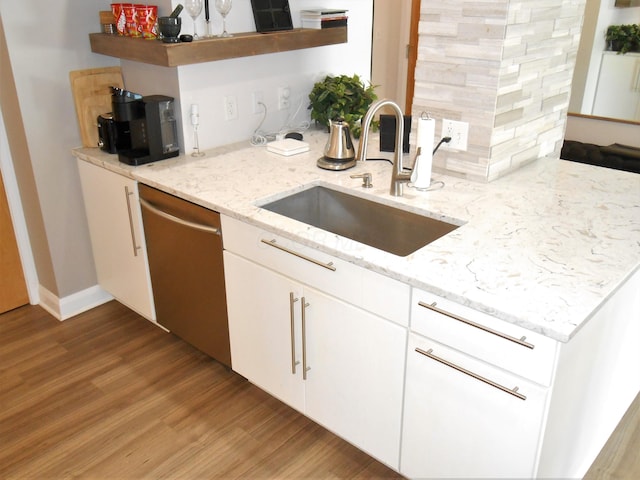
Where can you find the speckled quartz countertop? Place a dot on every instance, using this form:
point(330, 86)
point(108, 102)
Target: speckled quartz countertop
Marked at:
point(542, 247)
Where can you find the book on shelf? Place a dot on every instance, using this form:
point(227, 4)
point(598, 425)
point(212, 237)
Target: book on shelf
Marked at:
point(324, 24)
point(323, 13)
point(323, 18)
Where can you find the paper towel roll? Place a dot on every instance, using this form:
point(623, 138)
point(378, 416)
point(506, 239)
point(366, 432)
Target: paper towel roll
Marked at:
point(421, 175)
point(426, 132)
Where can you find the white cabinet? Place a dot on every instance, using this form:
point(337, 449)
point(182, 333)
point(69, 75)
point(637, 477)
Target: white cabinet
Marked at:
point(265, 348)
point(476, 393)
point(355, 377)
point(618, 90)
point(457, 425)
point(117, 238)
point(278, 325)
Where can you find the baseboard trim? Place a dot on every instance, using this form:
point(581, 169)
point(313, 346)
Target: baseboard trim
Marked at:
point(71, 305)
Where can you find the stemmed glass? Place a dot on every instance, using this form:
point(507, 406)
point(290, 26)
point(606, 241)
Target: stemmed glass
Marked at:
point(224, 7)
point(194, 7)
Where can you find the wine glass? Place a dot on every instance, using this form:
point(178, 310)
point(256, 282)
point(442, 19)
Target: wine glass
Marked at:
point(224, 7)
point(194, 7)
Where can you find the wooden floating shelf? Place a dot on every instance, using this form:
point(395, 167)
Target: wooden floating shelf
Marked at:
point(156, 52)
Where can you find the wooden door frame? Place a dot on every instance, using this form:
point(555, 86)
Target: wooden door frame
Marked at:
point(412, 53)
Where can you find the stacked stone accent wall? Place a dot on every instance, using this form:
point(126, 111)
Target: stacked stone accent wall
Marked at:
point(505, 67)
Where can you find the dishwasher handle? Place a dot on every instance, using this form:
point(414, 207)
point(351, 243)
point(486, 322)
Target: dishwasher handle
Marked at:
point(197, 226)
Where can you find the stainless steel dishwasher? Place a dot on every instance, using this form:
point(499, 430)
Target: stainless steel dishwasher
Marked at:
point(184, 246)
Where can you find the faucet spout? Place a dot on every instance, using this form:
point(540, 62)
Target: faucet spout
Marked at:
point(398, 177)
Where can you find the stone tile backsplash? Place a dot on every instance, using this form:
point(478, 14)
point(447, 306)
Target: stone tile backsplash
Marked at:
point(505, 67)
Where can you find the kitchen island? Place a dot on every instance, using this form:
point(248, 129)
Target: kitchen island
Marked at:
point(553, 248)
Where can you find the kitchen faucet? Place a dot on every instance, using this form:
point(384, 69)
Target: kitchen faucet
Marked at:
point(398, 177)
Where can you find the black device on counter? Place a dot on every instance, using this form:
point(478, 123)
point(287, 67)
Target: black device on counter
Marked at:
point(388, 133)
point(109, 138)
point(144, 128)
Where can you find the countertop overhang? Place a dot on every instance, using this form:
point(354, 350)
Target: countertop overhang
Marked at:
point(543, 247)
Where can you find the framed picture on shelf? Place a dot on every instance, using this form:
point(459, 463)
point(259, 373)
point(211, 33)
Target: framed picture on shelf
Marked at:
point(271, 15)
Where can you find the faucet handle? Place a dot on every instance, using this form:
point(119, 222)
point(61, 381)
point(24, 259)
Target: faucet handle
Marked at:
point(366, 179)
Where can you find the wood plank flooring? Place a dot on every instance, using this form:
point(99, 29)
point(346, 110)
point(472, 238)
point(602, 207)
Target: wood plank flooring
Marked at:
point(620, 457)
point(107, 395)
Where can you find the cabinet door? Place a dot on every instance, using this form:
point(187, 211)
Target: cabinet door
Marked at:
point(115, 227)
point(456, 425)
point(259, 304)
point(355, 377)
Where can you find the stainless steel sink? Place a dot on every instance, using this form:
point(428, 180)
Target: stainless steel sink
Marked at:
point(390, 229)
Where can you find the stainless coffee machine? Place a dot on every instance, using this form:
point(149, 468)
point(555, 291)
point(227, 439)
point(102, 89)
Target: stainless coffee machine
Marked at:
point(145, 127)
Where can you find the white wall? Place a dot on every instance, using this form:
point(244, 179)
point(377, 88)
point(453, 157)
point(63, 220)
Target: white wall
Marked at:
point(607, 15)
point(17, 215)
point(602, 132)
point(207, 84)
point(46, 40)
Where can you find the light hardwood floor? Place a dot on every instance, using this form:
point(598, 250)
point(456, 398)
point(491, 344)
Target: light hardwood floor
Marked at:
point(106, 395)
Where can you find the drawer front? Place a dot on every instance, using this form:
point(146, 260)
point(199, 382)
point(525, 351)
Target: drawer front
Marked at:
point(489, 339)
point(368, 290)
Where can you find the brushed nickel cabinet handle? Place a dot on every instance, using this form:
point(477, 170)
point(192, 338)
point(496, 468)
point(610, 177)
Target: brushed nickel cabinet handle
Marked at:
point(520, 341)
point(136, 247)
point(181, 221)
point(511, 391)
point(273, 243)
point(292, 301)
point(305, 368)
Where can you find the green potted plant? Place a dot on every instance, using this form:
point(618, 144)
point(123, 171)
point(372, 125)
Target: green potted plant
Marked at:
point(342, 97)
point(623, 38)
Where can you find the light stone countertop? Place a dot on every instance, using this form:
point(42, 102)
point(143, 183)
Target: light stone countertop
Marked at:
point(542, 247)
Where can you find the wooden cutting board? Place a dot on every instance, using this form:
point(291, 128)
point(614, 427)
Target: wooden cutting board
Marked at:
point(92, 97)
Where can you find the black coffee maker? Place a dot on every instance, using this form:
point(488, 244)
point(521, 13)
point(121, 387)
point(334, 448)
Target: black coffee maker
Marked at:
point(145, 127)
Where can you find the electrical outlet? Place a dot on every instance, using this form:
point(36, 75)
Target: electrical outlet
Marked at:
point(459, 133)
point(284, 98)
point(257, 99)
point(230, 108)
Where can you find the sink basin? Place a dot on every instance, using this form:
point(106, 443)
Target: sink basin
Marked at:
point(381, 226)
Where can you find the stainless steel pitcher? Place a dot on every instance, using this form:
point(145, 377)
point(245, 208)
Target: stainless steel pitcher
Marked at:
point(339, 147)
